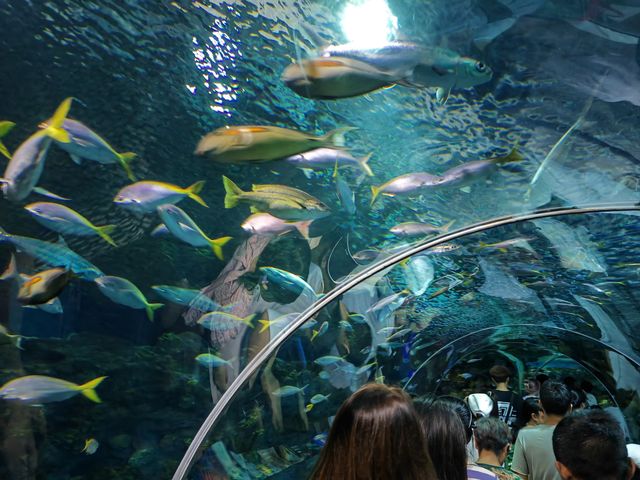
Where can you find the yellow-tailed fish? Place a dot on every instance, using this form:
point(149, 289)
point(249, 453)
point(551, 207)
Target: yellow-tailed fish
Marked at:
point(471, 171)
point(146, 196)
point(321, 158)
point(39, 389)
point(184, 228)
point(407, 184)
point(26, 165)
point(90, 446)
point(5, 128)
point(66, 221)
point(122, 291)
point(255, 143)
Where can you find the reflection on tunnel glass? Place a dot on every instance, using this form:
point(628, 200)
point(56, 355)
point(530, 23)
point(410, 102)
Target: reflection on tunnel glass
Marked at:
point(212, 169)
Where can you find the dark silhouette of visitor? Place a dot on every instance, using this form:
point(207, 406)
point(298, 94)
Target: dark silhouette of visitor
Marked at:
point(375, 435)
point(590, 445)
point(506, 403)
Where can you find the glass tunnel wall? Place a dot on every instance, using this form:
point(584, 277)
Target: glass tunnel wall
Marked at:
point(448, 113)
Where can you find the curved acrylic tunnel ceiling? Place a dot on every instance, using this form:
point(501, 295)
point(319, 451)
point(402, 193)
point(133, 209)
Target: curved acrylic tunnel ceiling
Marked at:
point(528, 290)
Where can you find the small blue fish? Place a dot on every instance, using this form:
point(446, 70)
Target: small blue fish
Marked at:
point(184, 228)
point(53, 254)
point(38, 389)
point(186, 297)
point(288, 281)
point(344, 192)
point(122, 291)
point(327, 360)
point(145, 197)
point(210, 360)
point(62, 219)
point(86, 144)
point(26, 164)
point(288, 391)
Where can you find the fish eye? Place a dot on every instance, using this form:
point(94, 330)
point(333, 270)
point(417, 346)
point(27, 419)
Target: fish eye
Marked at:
point(481, 67)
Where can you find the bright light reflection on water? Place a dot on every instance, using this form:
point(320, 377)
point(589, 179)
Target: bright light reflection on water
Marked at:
point(369, 22)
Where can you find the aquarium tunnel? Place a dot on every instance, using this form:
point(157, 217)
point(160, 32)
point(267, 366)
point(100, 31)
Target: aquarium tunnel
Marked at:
point(219, 218)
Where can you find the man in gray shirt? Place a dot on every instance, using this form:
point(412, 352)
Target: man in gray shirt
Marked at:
point(533, 457)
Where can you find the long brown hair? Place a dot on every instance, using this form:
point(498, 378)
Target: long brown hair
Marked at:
point(446, 439)
point(375, 435)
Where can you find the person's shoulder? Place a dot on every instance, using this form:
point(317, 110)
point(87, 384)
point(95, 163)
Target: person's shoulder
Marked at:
point(502, 473)
point(476, 472)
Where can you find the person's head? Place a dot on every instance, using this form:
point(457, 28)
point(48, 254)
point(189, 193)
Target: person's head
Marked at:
point(578, 399)
point(590, 445)
point(532, 386)
point(375, 434)
point(542, 377)
point(570, 382)
point(446, 439)
point(462, 410)
point(500, 374)
point(555, 398)
point(531, 412)
point(587, 386)
point(492, 435)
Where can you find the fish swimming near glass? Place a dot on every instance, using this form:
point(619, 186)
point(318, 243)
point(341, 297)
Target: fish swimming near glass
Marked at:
point(122, 291)
point(27, 162)
point(255, 143)
point(146, 196)
point(53, 254)
point(40, 389)
point(39, 288)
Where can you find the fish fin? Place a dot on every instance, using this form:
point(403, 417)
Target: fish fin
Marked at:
point(105, 232)
point(254, 209)
point(125, 160)
point(303, 228)
point(335, 137)
point(514, 156)
point(4, 236)
point(217, 244)
point(88, 389)
point(445, 228)
point(194, 190)
point(265, 324)
point(314, 335)
point(375, 191)
point(248, 320)
point(46, 193)
point(61, 241)
point(5, 128)
point(442, 71)
point(466, 189)
point(151, 307)
point(308, 172)
point(233, 192)
point(308, 408)
point(55, 128)
point(76, 159)
point(364, 164)
point(12, 270)
point(442, 95)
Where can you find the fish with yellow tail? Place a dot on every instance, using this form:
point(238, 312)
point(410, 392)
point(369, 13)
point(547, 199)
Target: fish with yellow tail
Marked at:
point(321, 158)
point(5, 127)
point(27, 163)
point(122, 291)
point(90, 446)
point(66, 221)
point(320, 331)
point(85, 144)
point(255, 143)
point(280, 201)
point(39, 389)
point(407, 184)
point(184, 228)
point(146, 196)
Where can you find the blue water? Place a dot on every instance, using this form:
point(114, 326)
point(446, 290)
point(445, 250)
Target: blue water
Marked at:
point(155, 77)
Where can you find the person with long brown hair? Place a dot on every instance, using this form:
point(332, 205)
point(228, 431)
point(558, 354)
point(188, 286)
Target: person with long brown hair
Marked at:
point(375, 435)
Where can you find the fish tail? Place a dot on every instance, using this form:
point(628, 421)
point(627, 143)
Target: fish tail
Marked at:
point(105, 232)
point(364, 164)
point(151, 307)
point(375, 191)
point(125, 160)
point(217, 244)
point(88, 389)
point(12, 270)
point(445, 228)
point(265, 324)
point(4, 236)
point(194, 190)
point(55, 128)
point(514, 156)
point(335, 138)
point(233, 192)
point(248, 320)
point(5, 128)
point(303, 228)
point(308, 408)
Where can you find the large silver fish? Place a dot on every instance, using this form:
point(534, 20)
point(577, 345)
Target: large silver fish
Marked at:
point(39, 389)
point(26, 164)
point(406, 184)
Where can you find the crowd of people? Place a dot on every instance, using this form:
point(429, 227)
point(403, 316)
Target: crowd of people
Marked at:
point(556, 431)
